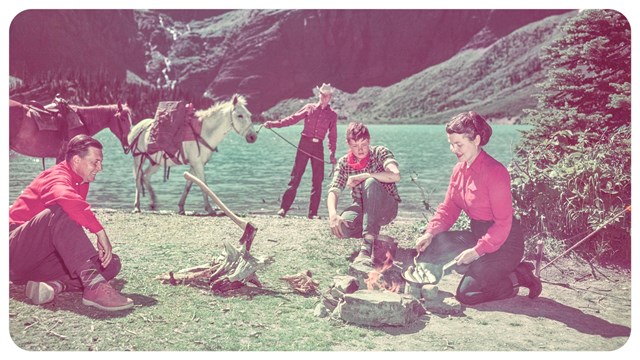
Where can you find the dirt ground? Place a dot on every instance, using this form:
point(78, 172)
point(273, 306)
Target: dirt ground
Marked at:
point(580, 309)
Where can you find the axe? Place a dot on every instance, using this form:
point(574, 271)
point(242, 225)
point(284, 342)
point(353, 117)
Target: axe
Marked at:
point(249, 229)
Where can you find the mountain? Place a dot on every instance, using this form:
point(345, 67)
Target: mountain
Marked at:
point(498, 80)
point(274, 55)
point(42, 41)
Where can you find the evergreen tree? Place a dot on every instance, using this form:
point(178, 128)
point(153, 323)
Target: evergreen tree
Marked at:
point(572, 170)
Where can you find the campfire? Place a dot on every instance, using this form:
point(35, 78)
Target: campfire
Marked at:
point(382, 278)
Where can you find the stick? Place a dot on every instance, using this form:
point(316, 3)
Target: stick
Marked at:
point(213, 196)
point(628, 208)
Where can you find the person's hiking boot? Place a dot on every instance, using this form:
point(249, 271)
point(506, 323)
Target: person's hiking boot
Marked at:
point(526, 278)
point(364, 256)
point(282, 213)
point(43, 292)
point(105, 297)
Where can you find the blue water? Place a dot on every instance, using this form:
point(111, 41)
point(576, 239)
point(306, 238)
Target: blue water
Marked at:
point(250, 178)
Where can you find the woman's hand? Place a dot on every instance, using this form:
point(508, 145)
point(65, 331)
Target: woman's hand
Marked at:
point(423, 241)
point(467, 257)
point(335, 222)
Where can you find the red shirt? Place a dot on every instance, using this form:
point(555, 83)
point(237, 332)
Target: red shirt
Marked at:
point(483, 191)
point(56, 185)
point(317, 122)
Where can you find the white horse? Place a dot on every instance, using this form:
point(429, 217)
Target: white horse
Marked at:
point(217, 121)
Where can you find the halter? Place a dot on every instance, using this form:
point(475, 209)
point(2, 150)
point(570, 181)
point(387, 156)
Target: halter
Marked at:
point(125, 148)
point(233, 125)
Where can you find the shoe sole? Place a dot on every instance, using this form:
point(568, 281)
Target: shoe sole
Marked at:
point(105, 308)
point(39, 292)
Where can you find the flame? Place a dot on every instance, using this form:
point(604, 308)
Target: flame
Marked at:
point(375, 281)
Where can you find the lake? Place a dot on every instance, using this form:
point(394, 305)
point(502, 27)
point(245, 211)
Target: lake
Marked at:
point(250, 178)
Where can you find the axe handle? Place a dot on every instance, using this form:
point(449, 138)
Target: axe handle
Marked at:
point(213, 196)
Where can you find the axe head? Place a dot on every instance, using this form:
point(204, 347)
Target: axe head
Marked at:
point(248, 235)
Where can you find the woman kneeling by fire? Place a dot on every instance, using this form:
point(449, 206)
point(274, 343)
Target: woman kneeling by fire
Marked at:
point(493, 247)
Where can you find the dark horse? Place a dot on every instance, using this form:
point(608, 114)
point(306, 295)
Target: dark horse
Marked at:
point(26, 137)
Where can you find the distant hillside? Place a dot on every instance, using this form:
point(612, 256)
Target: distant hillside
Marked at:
point(274, 55)
point(67, 41)
point(497, 80)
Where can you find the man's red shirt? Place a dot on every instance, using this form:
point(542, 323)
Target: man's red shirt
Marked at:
point(56, 185)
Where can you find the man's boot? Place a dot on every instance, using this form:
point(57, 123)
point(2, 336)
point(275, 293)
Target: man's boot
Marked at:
point(364, 256)
point(43, 292)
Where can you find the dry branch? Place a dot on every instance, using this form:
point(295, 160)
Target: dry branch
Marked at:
point(232, 269)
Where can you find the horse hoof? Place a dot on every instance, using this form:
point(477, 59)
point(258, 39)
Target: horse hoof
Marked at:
point(180, 212)
point(135, 211)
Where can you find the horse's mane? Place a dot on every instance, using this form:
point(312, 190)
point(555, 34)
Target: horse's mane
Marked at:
point(220, 105)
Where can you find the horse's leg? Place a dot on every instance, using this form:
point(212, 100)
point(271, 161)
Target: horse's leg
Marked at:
point(137, 175)
point(185, 192)
point(198, 171)
point(150, 170)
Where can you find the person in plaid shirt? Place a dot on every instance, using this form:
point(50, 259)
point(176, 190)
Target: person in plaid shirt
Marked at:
point(371, 172)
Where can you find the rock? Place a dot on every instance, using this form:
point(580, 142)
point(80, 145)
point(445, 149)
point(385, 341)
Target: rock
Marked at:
point(378, 308)
point(429, 292)
point(443, 306)
point(321, 311)
point(329, 301)
point(345, 284)
point(412, 289)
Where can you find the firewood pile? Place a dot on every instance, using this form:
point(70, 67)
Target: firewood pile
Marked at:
point(302, 283)
point(232, 269)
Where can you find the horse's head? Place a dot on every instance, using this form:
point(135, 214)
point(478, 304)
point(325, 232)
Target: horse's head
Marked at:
point(241, 119)
point(121, 125)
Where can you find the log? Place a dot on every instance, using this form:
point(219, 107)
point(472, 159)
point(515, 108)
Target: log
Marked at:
point(232, 269)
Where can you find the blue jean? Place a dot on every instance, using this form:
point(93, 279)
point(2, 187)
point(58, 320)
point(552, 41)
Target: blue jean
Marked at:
point(305, 147)
point(489, 277)
point(378, 208)
point(52, 246)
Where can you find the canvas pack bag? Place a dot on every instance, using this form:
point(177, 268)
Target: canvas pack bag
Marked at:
point(165, 133)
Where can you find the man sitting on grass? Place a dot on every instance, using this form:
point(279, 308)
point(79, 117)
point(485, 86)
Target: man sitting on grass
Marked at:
point(48, 248)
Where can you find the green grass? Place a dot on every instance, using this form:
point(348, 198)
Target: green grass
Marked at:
point(186, 318)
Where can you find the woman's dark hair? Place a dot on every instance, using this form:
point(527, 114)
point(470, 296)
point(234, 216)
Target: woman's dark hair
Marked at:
point(357, 131)
point(470, 124)
point(79, 145)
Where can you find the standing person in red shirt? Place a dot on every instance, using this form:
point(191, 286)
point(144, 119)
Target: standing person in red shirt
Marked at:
point(494, 246)
point(48, 248)
point(319, 119)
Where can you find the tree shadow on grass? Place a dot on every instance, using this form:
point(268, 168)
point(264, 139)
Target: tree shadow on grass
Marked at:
point(551, 309)
point(72, 301)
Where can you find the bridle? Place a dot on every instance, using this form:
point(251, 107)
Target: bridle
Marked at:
point(242, 133)
point(118, 115)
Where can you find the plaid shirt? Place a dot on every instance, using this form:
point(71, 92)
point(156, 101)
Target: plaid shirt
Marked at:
point(380, 157)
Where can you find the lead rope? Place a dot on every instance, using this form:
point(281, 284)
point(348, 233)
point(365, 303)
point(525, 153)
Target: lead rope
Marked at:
point(297, 148)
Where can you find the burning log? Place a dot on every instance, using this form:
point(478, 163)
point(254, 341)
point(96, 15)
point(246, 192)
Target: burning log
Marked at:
point(230, 270)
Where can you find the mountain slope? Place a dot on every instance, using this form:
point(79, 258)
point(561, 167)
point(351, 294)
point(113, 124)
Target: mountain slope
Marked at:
point(497, 81)
point(271, 55)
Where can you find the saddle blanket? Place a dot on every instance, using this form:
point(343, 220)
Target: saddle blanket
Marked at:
point(47, 121)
